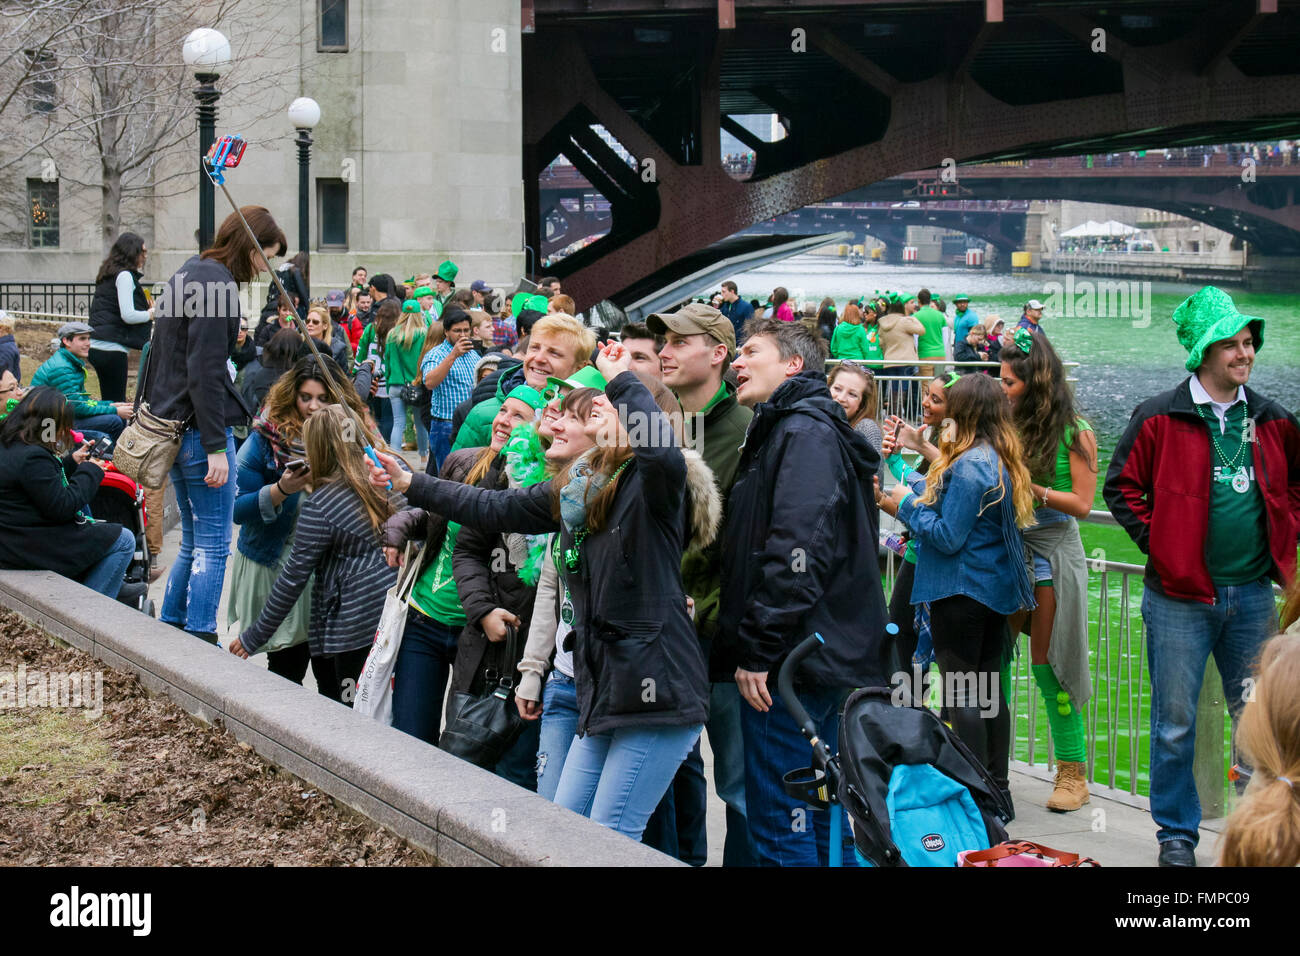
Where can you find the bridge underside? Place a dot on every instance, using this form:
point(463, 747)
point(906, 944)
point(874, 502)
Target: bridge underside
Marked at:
point(865, 92)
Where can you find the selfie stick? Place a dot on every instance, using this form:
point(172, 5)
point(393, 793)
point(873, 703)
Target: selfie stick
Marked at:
point(227, 151)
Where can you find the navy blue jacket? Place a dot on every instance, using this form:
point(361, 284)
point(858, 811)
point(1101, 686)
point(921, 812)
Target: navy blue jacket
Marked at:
point(800, 542)
point(9, 356)
point(739, 312)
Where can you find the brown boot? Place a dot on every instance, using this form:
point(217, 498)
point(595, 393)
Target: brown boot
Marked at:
point(1071, 788)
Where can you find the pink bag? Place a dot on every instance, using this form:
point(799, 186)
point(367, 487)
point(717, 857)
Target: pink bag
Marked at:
point(1022, 853)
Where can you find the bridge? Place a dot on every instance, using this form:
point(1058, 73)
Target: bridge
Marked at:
point(868, 91)
point(1263, 208)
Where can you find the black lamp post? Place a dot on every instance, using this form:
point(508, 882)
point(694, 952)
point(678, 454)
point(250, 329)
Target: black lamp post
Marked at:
point(206, 52)
point(304, 114)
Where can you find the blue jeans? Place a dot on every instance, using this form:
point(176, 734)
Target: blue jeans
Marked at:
point(439, 443)
point(399, 426)
point(105, 575)
point(194, 586)
point(784, 831)
point(559, 725)
point(110, 425)
point(420, 675)
point(678, 826)
point(1181, 635)
point(727, 742)
point(618, 778)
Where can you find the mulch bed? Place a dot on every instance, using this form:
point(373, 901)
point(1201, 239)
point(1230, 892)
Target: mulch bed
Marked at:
point(144, 784)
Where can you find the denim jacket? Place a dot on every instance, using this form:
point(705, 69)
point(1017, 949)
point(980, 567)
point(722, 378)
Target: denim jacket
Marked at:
point(964, 535)
point(263, 528)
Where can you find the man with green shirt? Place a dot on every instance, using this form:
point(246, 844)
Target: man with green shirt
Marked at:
point(929, 345)
point(700, 344)
point(1206, 480)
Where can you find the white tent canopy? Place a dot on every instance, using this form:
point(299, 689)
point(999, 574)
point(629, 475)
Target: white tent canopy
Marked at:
point(1093, 229)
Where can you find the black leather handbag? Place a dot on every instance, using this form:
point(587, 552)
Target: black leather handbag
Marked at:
point(481, 729)
point(413, 393)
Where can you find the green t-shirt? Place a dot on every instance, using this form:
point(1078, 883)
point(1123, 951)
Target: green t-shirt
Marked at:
point(930, 343)
point(434, 593)
point(1236, 548)
point(1060, 478)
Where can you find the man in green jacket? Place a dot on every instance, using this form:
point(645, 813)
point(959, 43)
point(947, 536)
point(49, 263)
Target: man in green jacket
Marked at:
point(701, 343)
point(66, 371)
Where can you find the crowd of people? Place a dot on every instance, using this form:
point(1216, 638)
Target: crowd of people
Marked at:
point(631, 535)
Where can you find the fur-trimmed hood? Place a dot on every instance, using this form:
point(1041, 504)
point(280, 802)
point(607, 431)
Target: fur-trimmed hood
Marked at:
point(705, 500)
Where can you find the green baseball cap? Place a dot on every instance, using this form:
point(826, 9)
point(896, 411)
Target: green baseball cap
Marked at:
point(422, 291)
point(586, 377)
point(411, 305)
point(529, 396)
point(961, 298)
point(447, 271)
point(1210, 316)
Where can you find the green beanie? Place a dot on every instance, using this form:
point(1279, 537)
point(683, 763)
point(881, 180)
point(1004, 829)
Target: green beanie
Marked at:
point(528, 395)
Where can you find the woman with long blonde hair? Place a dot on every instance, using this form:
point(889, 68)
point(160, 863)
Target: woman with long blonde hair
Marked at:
point(969, 518)
point(1264, 830)
point(337, 540)
point(271, 481)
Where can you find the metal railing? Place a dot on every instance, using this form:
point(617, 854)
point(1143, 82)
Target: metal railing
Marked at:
point(46, 299)
point(1116, 721)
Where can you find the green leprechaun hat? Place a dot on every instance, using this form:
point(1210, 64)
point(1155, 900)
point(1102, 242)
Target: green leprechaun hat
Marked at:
point(447, 271)
point(1210, 316)
point(586, 377)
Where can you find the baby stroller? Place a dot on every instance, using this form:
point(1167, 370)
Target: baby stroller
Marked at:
point(121, 500)
point(915, 794)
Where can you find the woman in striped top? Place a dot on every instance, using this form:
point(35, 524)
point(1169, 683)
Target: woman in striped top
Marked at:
point(338, 540)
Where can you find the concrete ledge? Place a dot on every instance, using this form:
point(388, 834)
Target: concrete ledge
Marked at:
point(459, 813)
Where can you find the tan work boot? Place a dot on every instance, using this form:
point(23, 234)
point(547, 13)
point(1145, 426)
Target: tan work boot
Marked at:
point(1071, 788)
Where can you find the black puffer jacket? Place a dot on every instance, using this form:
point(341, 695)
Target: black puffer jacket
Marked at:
point(487, 579)
point(800, 542)
point(637, 661)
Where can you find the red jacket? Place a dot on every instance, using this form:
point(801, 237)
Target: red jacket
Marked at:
point(1158, 488)
point(353, 327)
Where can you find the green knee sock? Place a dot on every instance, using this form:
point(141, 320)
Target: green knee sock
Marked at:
point(1067, 727)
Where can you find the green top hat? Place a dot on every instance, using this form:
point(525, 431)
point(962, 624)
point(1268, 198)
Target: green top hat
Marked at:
point(528, 395)
point(537, 303)
point(447, 271)
point(586, 377)
point(517, 302)
point(1210, 316)
point(961, 298)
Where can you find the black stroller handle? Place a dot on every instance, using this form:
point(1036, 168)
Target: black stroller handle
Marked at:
point(785, 687)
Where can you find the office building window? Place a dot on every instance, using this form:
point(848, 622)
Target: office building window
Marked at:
point(43, 214)
point(331, 214)
point(41, 92)
point(332, 26)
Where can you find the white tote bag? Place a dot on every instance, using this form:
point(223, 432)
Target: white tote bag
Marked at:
point(375, 686)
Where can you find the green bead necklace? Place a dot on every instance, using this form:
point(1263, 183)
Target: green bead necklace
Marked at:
point(1234, 472)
